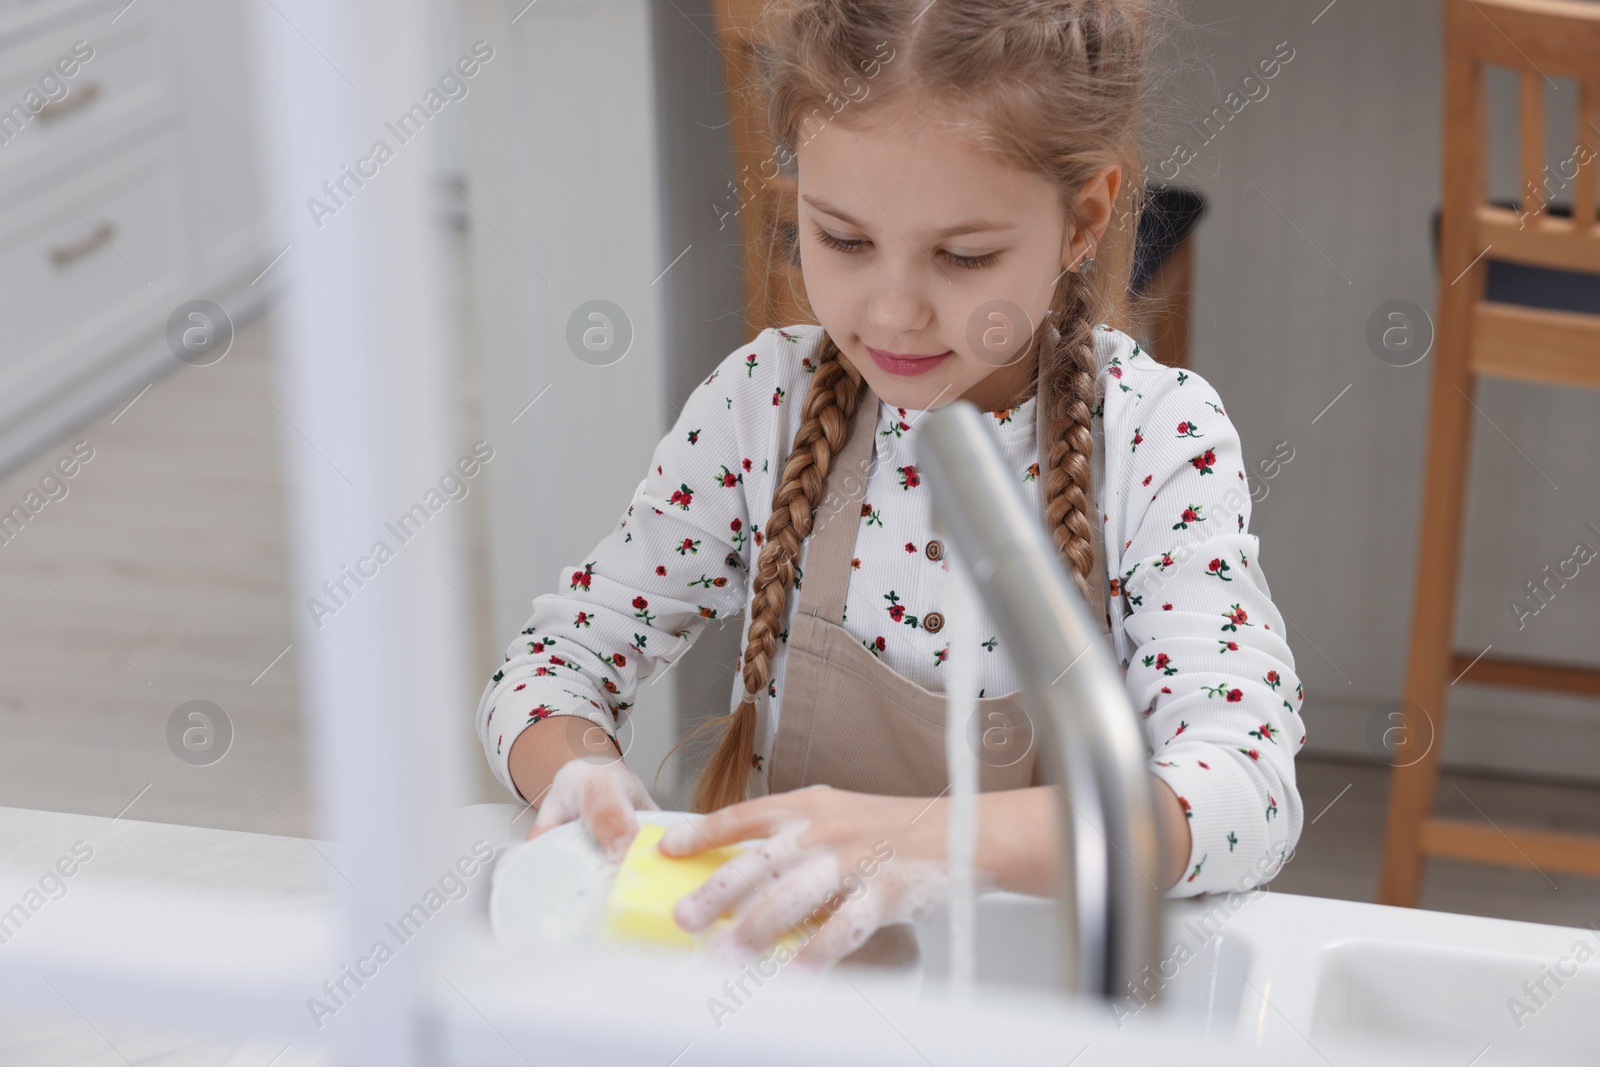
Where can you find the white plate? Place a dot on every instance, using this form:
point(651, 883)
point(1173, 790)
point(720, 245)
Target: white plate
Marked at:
point(554, 888)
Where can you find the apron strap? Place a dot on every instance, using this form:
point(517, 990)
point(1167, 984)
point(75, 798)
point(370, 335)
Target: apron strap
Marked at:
point(838, 516)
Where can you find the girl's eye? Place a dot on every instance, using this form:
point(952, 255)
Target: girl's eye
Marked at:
point(973, 262)
point(828, 240)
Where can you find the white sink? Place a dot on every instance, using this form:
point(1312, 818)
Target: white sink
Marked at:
point(1017, 935)
point(1278, 972)
point(1458, 1001)
point(1296, 976)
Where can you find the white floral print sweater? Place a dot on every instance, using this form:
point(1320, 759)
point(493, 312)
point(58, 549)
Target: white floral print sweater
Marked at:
point(1202, 647)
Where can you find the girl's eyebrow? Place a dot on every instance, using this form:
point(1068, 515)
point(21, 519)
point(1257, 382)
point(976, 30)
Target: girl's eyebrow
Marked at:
point(969, 226)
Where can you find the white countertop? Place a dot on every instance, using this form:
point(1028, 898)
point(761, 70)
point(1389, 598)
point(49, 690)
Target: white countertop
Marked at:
point(201, 931)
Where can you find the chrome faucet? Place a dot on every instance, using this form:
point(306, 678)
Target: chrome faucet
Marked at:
point(1091, 743)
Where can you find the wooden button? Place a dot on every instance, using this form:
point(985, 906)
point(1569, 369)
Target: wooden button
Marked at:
point(935, 550)
point(933, 622)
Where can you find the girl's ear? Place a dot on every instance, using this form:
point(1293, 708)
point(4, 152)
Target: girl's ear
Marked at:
point(1096, 200)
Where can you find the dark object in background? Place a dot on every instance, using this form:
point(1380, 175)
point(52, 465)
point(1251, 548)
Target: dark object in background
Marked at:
point(1538, 287)
point(1170, 215)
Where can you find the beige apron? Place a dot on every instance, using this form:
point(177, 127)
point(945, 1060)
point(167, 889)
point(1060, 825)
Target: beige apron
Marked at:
point(848, 719)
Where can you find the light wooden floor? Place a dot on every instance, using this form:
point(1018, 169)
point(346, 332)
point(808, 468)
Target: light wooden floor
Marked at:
point(161, 577)
point(1340, 852)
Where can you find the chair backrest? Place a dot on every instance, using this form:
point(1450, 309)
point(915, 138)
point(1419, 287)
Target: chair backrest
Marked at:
point(1540, 40)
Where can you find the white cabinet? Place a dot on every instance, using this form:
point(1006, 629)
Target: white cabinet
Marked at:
point(127, 187)
point(86, 260)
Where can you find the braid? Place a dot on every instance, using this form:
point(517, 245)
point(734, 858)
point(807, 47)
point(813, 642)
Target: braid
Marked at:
point(1057, 88)
point(1067, 407)
point(830, 404)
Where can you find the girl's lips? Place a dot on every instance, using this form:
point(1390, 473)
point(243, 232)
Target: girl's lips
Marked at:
point(906, 365)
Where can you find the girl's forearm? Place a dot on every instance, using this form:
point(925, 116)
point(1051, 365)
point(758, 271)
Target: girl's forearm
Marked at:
point(1019, 839)
point(545, 747)
point(1176, 842)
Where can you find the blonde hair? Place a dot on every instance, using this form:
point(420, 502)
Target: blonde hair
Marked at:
point(1054, 87)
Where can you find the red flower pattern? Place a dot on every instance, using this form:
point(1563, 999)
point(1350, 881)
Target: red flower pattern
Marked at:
point(1255, 705)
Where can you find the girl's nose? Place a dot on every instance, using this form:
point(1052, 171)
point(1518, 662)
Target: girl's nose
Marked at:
point(896, 310)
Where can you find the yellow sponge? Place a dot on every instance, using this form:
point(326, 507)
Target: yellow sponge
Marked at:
point(650, 884)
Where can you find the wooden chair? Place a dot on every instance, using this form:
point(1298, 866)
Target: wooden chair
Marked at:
point(1480, 337)
point(763, 195)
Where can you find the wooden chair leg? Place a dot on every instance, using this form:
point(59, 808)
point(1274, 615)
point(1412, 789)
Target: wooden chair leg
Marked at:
point(1430, 658)
point(1416, 773)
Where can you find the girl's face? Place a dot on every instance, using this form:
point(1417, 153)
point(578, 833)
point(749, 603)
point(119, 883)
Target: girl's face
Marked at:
point(909, 235)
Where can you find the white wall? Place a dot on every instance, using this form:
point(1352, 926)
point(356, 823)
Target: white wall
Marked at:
point(1321, 197)
point(565, 188)
point(1347, 146)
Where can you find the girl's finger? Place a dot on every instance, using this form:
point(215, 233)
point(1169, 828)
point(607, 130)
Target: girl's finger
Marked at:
point(846, 931)
point(751, 871)
point(608, 813)
point(552, 813)
point(736, 822)
point(794, 899)
point(639, 793)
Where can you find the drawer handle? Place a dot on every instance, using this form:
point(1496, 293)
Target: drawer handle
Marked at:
point(65, 255)
point(56, 109)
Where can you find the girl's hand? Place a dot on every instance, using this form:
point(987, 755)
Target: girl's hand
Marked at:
point(856, 860)
point(604, 793)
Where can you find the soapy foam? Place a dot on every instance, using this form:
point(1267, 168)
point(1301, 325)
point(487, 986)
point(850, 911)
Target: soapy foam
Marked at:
point(900, 890)
point(764, 861)
point(801, 891)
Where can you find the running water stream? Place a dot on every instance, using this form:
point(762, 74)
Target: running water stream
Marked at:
point(961, 759)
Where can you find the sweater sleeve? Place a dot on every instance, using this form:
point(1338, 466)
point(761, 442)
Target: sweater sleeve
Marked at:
point(677, 559)
point(1210, 665)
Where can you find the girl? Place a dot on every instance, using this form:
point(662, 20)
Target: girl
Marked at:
point(961, 164)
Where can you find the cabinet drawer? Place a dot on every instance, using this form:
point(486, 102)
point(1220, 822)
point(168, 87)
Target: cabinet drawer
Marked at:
point(90, 268)
point(121, 85)
point(21, 20)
